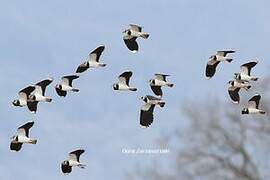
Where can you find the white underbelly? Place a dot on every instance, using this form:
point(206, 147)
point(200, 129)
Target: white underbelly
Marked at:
point(73, 163)
point(123, 87)
point(23, 139)
point(253, 111)
point(160, 83)
point(66, 88)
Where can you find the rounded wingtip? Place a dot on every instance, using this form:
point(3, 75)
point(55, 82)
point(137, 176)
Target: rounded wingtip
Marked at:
point(134, 51)
point(207, 77)
point(144, 127)
point(235, 102)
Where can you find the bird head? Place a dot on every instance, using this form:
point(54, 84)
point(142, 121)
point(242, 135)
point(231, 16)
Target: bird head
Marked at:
point(237, 76)
point(245, 111)
point(66, 163)
point(152, 82)
point(231, 82)
point(115, 86)
point(58, 86)
point(15, 138)
point(213, 57)
point(143, 98)
point(127, 32)
point(16, 102)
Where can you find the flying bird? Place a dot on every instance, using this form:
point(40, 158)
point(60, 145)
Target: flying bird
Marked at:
point(22, 137)
point(24, 100)
point(158, 82)
point(253, 106)
point(234, 88)
point(123, 82)
point(245, 70)
point(146, 115)
point(23, 96)
point(153, 100)
point(39, 92)
point(92, 60)
point(214, 60)
point(66, 85)
point(72, 161)
point(130, 36)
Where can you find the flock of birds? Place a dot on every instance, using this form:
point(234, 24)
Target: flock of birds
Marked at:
point(31, 95)
point(34, 94)
point(242, 80)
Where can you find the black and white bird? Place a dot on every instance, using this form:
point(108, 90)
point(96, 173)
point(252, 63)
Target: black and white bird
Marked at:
point(22, 137)
point(253, 106)
point(23, 96)
point(245, 70)
point(72, 161)
point(93, 60)
point(146, 115)
point(153, 100)
point(123, 82)
point(66, 85)
point(214, 60)
point(234, 88)
point(130, 36)
point(158, 82)
point(24, 100)
point(39, 92)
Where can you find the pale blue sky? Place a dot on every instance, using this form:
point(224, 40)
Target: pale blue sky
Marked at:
point(42, 39)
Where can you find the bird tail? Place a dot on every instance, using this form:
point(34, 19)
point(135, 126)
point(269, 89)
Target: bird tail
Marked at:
point(262, 112)
point(248, 87)
point(133, 89)
point(48, 100)
point(33, 141)
point(229, 60)
point(75, 90)
point(170, 85)
point(82, 166)
point(102, 65)
point(161, 104)
point(144, 35)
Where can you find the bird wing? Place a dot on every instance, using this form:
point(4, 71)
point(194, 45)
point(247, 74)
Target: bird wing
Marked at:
point(234, 94)
point(66, 168)
point(131, 43)
point(161, 77)
point(24, 129)
point(146, 115)
point(125, 77)
point(254, 101)
point(224, 53)
point(246, 68)
point(60, 92)
point(75, 155)
point(67, 80)
point(211, 68)
point(157, 90)
point(95, 55)
point(41, 86)
point(135, 27)
point(15, 146)
point(83, 67)
point(24, 93)
point(32, 106)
